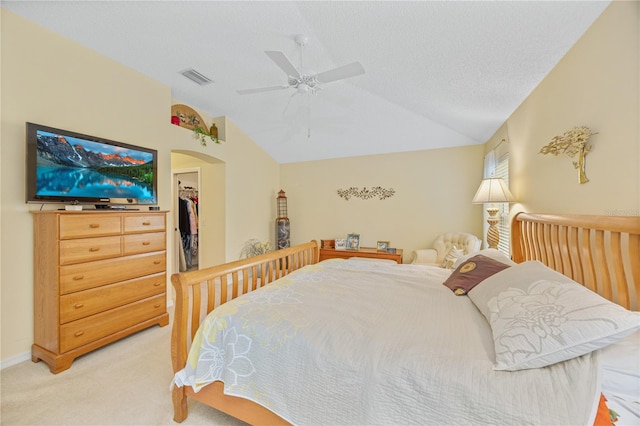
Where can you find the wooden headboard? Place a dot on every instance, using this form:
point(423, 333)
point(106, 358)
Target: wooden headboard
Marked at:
point(600, 252)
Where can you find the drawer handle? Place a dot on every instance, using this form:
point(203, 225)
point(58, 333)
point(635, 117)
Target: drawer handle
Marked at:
point(146, 223)
point(94, 225)
point(146, 243)
point(78, 277)
point(157, 305)
point(157, 284)
point(94, 249)
point(78, 305)
point(78, 333)
point(157, 262)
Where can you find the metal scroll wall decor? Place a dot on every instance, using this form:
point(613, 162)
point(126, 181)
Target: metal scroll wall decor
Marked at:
point(574, 141)
point(365, 194)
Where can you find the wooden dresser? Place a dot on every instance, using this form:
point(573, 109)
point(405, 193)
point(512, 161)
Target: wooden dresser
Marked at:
point(328, 253)
point(98, 277)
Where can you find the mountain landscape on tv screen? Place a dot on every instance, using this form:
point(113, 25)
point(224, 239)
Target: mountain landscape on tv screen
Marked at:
point(55, 150)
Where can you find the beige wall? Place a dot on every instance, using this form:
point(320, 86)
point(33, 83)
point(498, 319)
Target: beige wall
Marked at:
point(247, 192)
point(50, 80)
point(252, 187)
point(596, 85)
point(433, 192)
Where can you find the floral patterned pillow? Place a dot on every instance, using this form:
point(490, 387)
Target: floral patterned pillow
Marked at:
point(539, 317)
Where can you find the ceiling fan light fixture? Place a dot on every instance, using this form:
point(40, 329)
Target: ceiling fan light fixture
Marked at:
point(303, 80)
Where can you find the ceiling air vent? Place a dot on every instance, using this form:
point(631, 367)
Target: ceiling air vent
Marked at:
point(196, 77)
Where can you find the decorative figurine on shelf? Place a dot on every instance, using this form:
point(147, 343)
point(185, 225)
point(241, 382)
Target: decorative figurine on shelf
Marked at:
point(213, 131)
point(282, 222)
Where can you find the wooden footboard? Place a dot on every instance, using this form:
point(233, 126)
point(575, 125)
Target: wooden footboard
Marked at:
point(198, 292)
point(600, 252)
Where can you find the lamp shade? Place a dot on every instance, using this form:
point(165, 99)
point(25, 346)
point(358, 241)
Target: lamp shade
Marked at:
point(493, 190)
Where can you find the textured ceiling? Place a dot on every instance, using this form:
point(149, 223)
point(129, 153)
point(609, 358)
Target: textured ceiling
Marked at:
point(438, 74)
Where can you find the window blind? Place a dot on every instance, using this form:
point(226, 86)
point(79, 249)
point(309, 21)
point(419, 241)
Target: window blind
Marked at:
point(502, 171)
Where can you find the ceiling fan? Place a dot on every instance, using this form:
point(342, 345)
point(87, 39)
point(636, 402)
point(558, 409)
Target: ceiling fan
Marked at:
point(305, 81)
point(301, 79)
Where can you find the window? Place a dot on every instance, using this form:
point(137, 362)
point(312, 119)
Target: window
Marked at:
point(502, 171)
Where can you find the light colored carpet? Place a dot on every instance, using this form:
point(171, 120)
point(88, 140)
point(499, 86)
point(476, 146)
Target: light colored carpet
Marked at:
point(125, 383)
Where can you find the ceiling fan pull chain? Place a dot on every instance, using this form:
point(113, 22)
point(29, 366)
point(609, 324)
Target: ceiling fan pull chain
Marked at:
point(287, 106)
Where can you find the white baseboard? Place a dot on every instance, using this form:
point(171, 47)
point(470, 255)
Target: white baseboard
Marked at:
point(16, 359)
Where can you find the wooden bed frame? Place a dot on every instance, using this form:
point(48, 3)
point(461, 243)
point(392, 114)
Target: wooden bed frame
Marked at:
point(600, 252)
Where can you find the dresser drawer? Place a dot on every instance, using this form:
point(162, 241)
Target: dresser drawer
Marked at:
point(81, 304)
point(85, 249)
point(144, 223)
point(88, 275)
point(142, 243)
point(89, 329)
point(89, 225)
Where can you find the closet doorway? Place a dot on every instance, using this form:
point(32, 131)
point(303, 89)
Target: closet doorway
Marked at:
point(206, 175)
point(187, 183)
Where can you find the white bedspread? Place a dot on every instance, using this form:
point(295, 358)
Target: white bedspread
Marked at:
point(366, 343)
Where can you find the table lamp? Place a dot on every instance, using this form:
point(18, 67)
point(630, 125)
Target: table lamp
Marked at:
point(493, 190)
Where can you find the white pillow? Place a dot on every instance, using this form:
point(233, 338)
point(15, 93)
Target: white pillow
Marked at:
point(620, 366)
point(539, 317)
point(451, 257)
point(491, 252)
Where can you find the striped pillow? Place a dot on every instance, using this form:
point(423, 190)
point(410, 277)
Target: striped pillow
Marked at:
point(451, 257)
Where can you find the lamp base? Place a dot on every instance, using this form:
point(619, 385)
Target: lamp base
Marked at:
point(493, 234)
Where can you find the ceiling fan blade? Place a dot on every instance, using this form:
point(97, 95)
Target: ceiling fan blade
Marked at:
point(283, 62)
point(340, 73)
point(261, 89)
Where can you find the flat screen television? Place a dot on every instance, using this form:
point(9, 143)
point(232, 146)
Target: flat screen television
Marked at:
point(69, 167)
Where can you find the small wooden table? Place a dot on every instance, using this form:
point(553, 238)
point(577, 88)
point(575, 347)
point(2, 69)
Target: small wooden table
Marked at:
point(328, 253)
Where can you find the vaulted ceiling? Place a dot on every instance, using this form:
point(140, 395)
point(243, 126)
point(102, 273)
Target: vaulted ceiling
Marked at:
point(437, 73)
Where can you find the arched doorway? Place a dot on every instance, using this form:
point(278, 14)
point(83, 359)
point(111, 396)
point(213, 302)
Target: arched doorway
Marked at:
point(205, 175)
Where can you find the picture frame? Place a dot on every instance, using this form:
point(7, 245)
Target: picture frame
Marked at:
point(341, 244)
point(353, 241)
point(391, 250)
point(382, 245)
